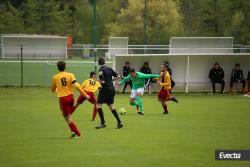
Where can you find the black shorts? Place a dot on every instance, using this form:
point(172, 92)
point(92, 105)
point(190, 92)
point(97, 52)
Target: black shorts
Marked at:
point(106, 95)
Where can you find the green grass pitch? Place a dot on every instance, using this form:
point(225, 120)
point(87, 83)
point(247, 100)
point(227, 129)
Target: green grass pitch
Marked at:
point(33, 132)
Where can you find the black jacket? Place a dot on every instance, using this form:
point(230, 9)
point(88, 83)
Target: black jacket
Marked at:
point(237, 74)
point(146, 70)
point(216, 74)
point(125, 71)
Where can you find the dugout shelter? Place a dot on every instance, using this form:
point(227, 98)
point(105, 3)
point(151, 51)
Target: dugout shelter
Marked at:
point(191, 58)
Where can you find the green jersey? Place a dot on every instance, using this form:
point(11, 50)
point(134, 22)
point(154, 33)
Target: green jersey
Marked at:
point(139, 80)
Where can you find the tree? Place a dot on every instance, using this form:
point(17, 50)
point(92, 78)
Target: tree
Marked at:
point(217, 18)
point(45, 17)
point(164, 21)
point(10, 19)
point(106, 13)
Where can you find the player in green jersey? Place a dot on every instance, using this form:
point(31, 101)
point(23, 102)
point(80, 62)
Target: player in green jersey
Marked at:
point(138, 80)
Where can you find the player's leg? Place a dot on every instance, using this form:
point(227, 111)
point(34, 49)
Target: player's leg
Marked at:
point(72, 125)
point(172, 98)
point(93, 101)
point(101, 115)
point(140, 104)
point(100, 100)
point(66, 105)
point(172, 83)
point(139, 94)
point(116, 115)
point(164, 106)
point(79, 101)
point(162, 97)
point(132, 99)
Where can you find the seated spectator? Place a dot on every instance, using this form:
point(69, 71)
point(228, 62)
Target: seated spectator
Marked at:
point(146, 70)
point(216, 75)
point(125, 72)
point(237, 77)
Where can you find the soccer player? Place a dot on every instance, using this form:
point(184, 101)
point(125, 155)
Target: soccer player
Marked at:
point(165, 84)
point(138, 80)
point(216, 75)
point(89, 86)
point(170, 73)
point(125, 72)
point(237, 76)
point(63, 84)
point(107, 93)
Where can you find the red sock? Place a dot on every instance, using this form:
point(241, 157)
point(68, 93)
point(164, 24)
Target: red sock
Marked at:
point(94, 113)
point(74, 128)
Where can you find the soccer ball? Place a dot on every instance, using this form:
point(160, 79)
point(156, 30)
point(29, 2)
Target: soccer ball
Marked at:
point(122, 111)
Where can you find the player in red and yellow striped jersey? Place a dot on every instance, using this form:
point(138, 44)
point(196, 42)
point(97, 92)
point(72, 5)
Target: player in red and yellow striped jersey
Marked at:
point(89, 86)
point(165, 83)
point(63, 84)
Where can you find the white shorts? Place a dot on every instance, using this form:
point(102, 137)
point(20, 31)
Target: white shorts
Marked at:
point(134, 92)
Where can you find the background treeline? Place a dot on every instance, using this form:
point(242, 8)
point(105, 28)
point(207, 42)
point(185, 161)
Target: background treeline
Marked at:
point(165, 18)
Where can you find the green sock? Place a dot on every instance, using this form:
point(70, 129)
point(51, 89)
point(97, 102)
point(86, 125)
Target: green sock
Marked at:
point(139, 101)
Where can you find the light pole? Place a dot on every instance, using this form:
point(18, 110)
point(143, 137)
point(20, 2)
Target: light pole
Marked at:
point(94, 32)
point(145, 25)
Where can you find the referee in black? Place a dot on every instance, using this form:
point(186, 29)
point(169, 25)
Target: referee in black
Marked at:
point(107, 93)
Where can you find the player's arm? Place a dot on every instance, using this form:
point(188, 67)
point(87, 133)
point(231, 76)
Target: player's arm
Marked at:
point(79, 88)
point(165, 84)
point(124, 80)
point(115, 75)
point(84, 84)
point(98, 85)
point(53, 86)
point(147, 76)
point(115, 78)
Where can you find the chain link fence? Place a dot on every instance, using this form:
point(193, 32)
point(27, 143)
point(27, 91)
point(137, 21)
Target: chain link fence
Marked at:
point(39, 73)
point(22, 69)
